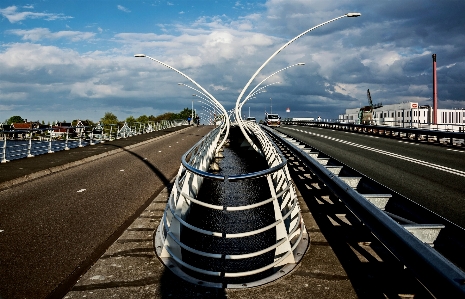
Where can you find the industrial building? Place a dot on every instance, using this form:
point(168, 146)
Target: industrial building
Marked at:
point(408, 114)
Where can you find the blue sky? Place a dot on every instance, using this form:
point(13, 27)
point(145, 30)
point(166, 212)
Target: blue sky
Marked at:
point(64, 60)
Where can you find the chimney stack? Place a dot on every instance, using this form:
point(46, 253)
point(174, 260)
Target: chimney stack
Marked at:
point(435, 93)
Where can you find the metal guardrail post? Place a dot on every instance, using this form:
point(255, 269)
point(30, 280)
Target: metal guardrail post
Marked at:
point(29, 155)
point(67, 139)
point(435, 272)
point(50, 141)
point(4, 160)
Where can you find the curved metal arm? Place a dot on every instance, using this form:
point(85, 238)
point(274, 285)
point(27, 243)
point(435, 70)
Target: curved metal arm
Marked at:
point(201, 88)
point(276, 53)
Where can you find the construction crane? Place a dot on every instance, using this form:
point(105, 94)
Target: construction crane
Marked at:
point(365, 114)
point(369, 98)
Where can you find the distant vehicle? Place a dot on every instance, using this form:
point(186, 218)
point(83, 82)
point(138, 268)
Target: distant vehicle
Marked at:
point(251, 118)
point(272, 120)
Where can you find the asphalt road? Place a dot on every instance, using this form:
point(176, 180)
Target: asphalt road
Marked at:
point(53, 229)
point(431, 175)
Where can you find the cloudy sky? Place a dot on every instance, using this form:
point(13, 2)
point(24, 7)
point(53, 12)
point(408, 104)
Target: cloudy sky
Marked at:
point(69, 59)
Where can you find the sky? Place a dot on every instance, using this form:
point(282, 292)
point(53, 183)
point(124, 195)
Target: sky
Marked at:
point(74, 59)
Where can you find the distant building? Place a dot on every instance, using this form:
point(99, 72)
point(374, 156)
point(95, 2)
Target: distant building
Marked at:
point(23, 130)
point(61, 129)
point(408, 114)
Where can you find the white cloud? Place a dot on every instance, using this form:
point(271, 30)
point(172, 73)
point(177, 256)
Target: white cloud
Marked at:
point(14, 16)
point(44, 33)
point(122, 8)
point(218, 87)
point(385, 50)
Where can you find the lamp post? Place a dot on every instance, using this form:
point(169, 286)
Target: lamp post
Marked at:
point(213, 107)
point(111, 130)
point(255, 91)
point(201, 88)
point(210, 109)
point(350, 15)
point(205, 97)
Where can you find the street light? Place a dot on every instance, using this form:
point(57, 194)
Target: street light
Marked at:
point(201, 88)
point(256, 91)
point(206, 97)
point(287, 67)
point(211, 104)
point(252, 95)
point(209, 108)
point(350, 15)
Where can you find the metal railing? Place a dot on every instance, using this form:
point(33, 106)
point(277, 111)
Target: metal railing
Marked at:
point(30, 146)
point(291, 239)
point(436, 133)
point(409, 242)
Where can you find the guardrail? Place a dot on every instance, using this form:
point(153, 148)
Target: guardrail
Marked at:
point(291, 239)
point(408, 241)
point(417, 134)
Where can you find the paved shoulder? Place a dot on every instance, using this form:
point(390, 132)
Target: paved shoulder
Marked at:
point(53, 228)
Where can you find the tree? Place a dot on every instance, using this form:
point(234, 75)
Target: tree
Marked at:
point(166, 116)
point(130, 120)
point(109, 118)
point(15, 119)
point(184, 114)
point(143, 118)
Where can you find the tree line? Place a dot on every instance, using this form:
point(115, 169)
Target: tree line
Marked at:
point(110, 118)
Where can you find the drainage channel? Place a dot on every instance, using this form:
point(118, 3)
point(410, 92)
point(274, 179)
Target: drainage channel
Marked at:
point(241, 231)
point(236, 160)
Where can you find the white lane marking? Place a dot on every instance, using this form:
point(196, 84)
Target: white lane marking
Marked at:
point(401, 157)
point(82, 190)
point(455, 150)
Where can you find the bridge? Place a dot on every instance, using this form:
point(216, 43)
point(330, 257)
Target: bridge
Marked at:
point(125, 219)
point(51, 218)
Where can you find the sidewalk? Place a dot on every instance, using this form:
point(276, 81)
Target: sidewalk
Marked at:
point(22, 170)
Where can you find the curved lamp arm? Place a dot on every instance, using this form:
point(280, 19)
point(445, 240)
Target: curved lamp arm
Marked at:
point(201, 88)
point(276, 53)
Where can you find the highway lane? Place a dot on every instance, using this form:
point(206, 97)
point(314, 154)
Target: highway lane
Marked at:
point(433, 176)
point(53, 228)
